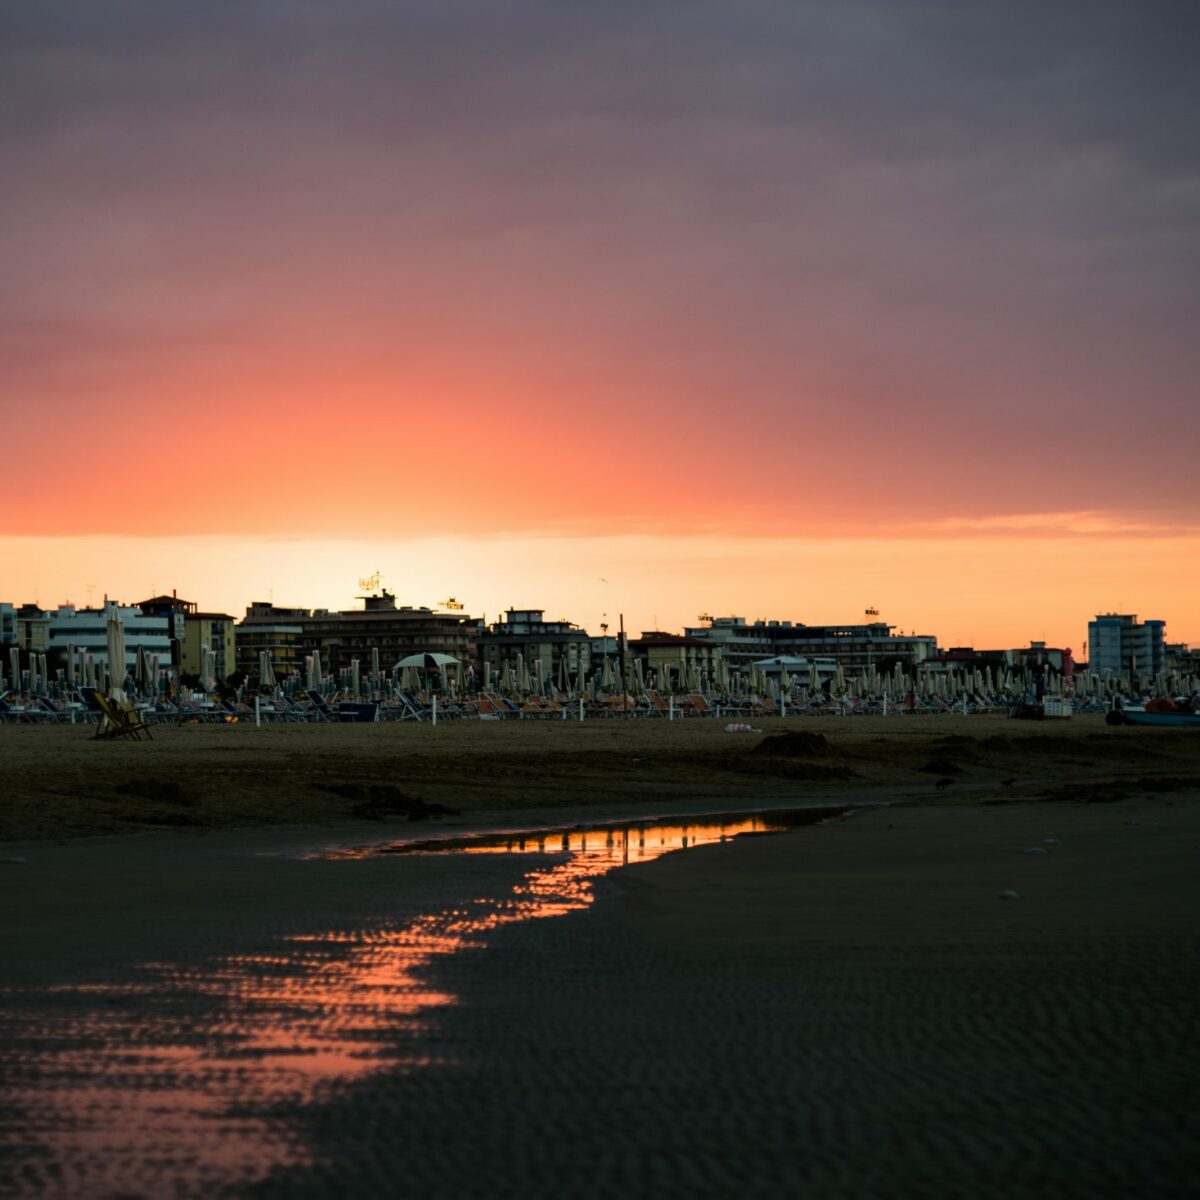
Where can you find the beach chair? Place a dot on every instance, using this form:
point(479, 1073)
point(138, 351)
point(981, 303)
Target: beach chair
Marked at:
point(659, 707)
point(362, 712)
point(320, 704)
point(119, 722)
point(411, 708)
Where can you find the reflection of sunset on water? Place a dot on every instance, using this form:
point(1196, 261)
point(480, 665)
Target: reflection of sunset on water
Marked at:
point(167, 1083)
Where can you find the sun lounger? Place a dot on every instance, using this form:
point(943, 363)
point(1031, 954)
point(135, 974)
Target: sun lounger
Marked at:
point(364, 712)
point(320, 705)
point(119, 722)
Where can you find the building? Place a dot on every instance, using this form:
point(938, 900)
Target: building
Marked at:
point(677, 652)
point(278, 631)
point(191, 630)
point(1179, 656)
point(545, 647)
point(8, 625)
point(1119, 644)
point(87, 630)
point(33, 629)
point(397, 632)
point(850, 646)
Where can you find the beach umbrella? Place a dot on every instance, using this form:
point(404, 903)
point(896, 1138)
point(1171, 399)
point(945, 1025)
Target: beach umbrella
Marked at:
point(116, 656)
point(318, 673)
point(564, 679)
point(375, 674)
point(608, 682)
point(506, 677)
point(428, 660)
point(525, 682)
point(639, 681)
point(14, 661)
point(355, 678)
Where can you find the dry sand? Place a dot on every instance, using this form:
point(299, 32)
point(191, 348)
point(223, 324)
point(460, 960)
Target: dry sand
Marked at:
point(843, 1010)
point(59, 781)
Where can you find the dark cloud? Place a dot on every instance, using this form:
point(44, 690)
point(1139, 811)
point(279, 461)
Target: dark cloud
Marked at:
point(971, 213)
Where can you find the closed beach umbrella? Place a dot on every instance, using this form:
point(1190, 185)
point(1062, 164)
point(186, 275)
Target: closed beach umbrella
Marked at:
point(70, 664)
point(607, 681)
point(14, 662)
point(355, 677)
point(375, 678)
point(506, 676)
point(116, 657)
point(318, 674)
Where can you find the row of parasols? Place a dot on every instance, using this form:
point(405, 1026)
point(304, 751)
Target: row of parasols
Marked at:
point(798, 681)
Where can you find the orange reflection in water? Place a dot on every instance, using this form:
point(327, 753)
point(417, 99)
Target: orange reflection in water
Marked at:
point(170, 1091)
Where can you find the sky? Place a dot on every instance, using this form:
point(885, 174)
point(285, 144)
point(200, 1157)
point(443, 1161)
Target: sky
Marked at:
point(775, 308)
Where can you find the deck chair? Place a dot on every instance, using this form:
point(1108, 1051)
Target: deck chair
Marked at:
point(365, 711)
point(119, 722)
point(320, 704)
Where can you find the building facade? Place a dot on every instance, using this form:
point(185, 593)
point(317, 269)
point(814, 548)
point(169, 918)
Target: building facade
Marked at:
point(396, 631)
point(677, 653)
point(851, 646)
point(278, 631)
point(87, 630)
point(1120, 644)
point(547, 648)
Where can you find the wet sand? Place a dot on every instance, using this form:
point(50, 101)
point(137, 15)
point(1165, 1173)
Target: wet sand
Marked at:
point(847, 1009)
point(59, 782)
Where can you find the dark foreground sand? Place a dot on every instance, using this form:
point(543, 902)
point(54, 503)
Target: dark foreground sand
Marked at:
point(840, 1010)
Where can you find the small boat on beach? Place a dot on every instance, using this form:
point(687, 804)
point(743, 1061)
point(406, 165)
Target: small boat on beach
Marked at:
point(1146, 716)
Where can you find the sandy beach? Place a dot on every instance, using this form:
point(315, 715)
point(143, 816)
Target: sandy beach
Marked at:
point(843, 1009)
point(59, 782)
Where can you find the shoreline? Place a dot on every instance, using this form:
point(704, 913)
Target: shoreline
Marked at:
point(821, 1011)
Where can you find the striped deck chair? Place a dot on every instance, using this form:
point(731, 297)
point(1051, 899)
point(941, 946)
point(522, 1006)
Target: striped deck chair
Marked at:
point(118, 722)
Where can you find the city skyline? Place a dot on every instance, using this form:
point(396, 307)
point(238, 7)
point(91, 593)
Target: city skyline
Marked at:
point(216, 583)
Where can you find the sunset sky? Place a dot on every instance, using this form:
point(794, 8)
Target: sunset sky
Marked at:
point(775, 308)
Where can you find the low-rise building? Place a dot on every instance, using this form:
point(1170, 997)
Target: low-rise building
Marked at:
point(276, 630)
point(192, 630)
point(546, 648)
point(852, 646)
point(87, 630)
point(396, 631)
point(677, 653)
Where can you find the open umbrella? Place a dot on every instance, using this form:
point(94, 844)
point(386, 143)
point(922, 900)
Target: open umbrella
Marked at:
point(428, 660)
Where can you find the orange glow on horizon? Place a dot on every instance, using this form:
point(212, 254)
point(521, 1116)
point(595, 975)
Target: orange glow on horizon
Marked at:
point(985, 589)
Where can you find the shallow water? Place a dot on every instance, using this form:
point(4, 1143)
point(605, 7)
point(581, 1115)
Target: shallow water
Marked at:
point(179, 1077)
